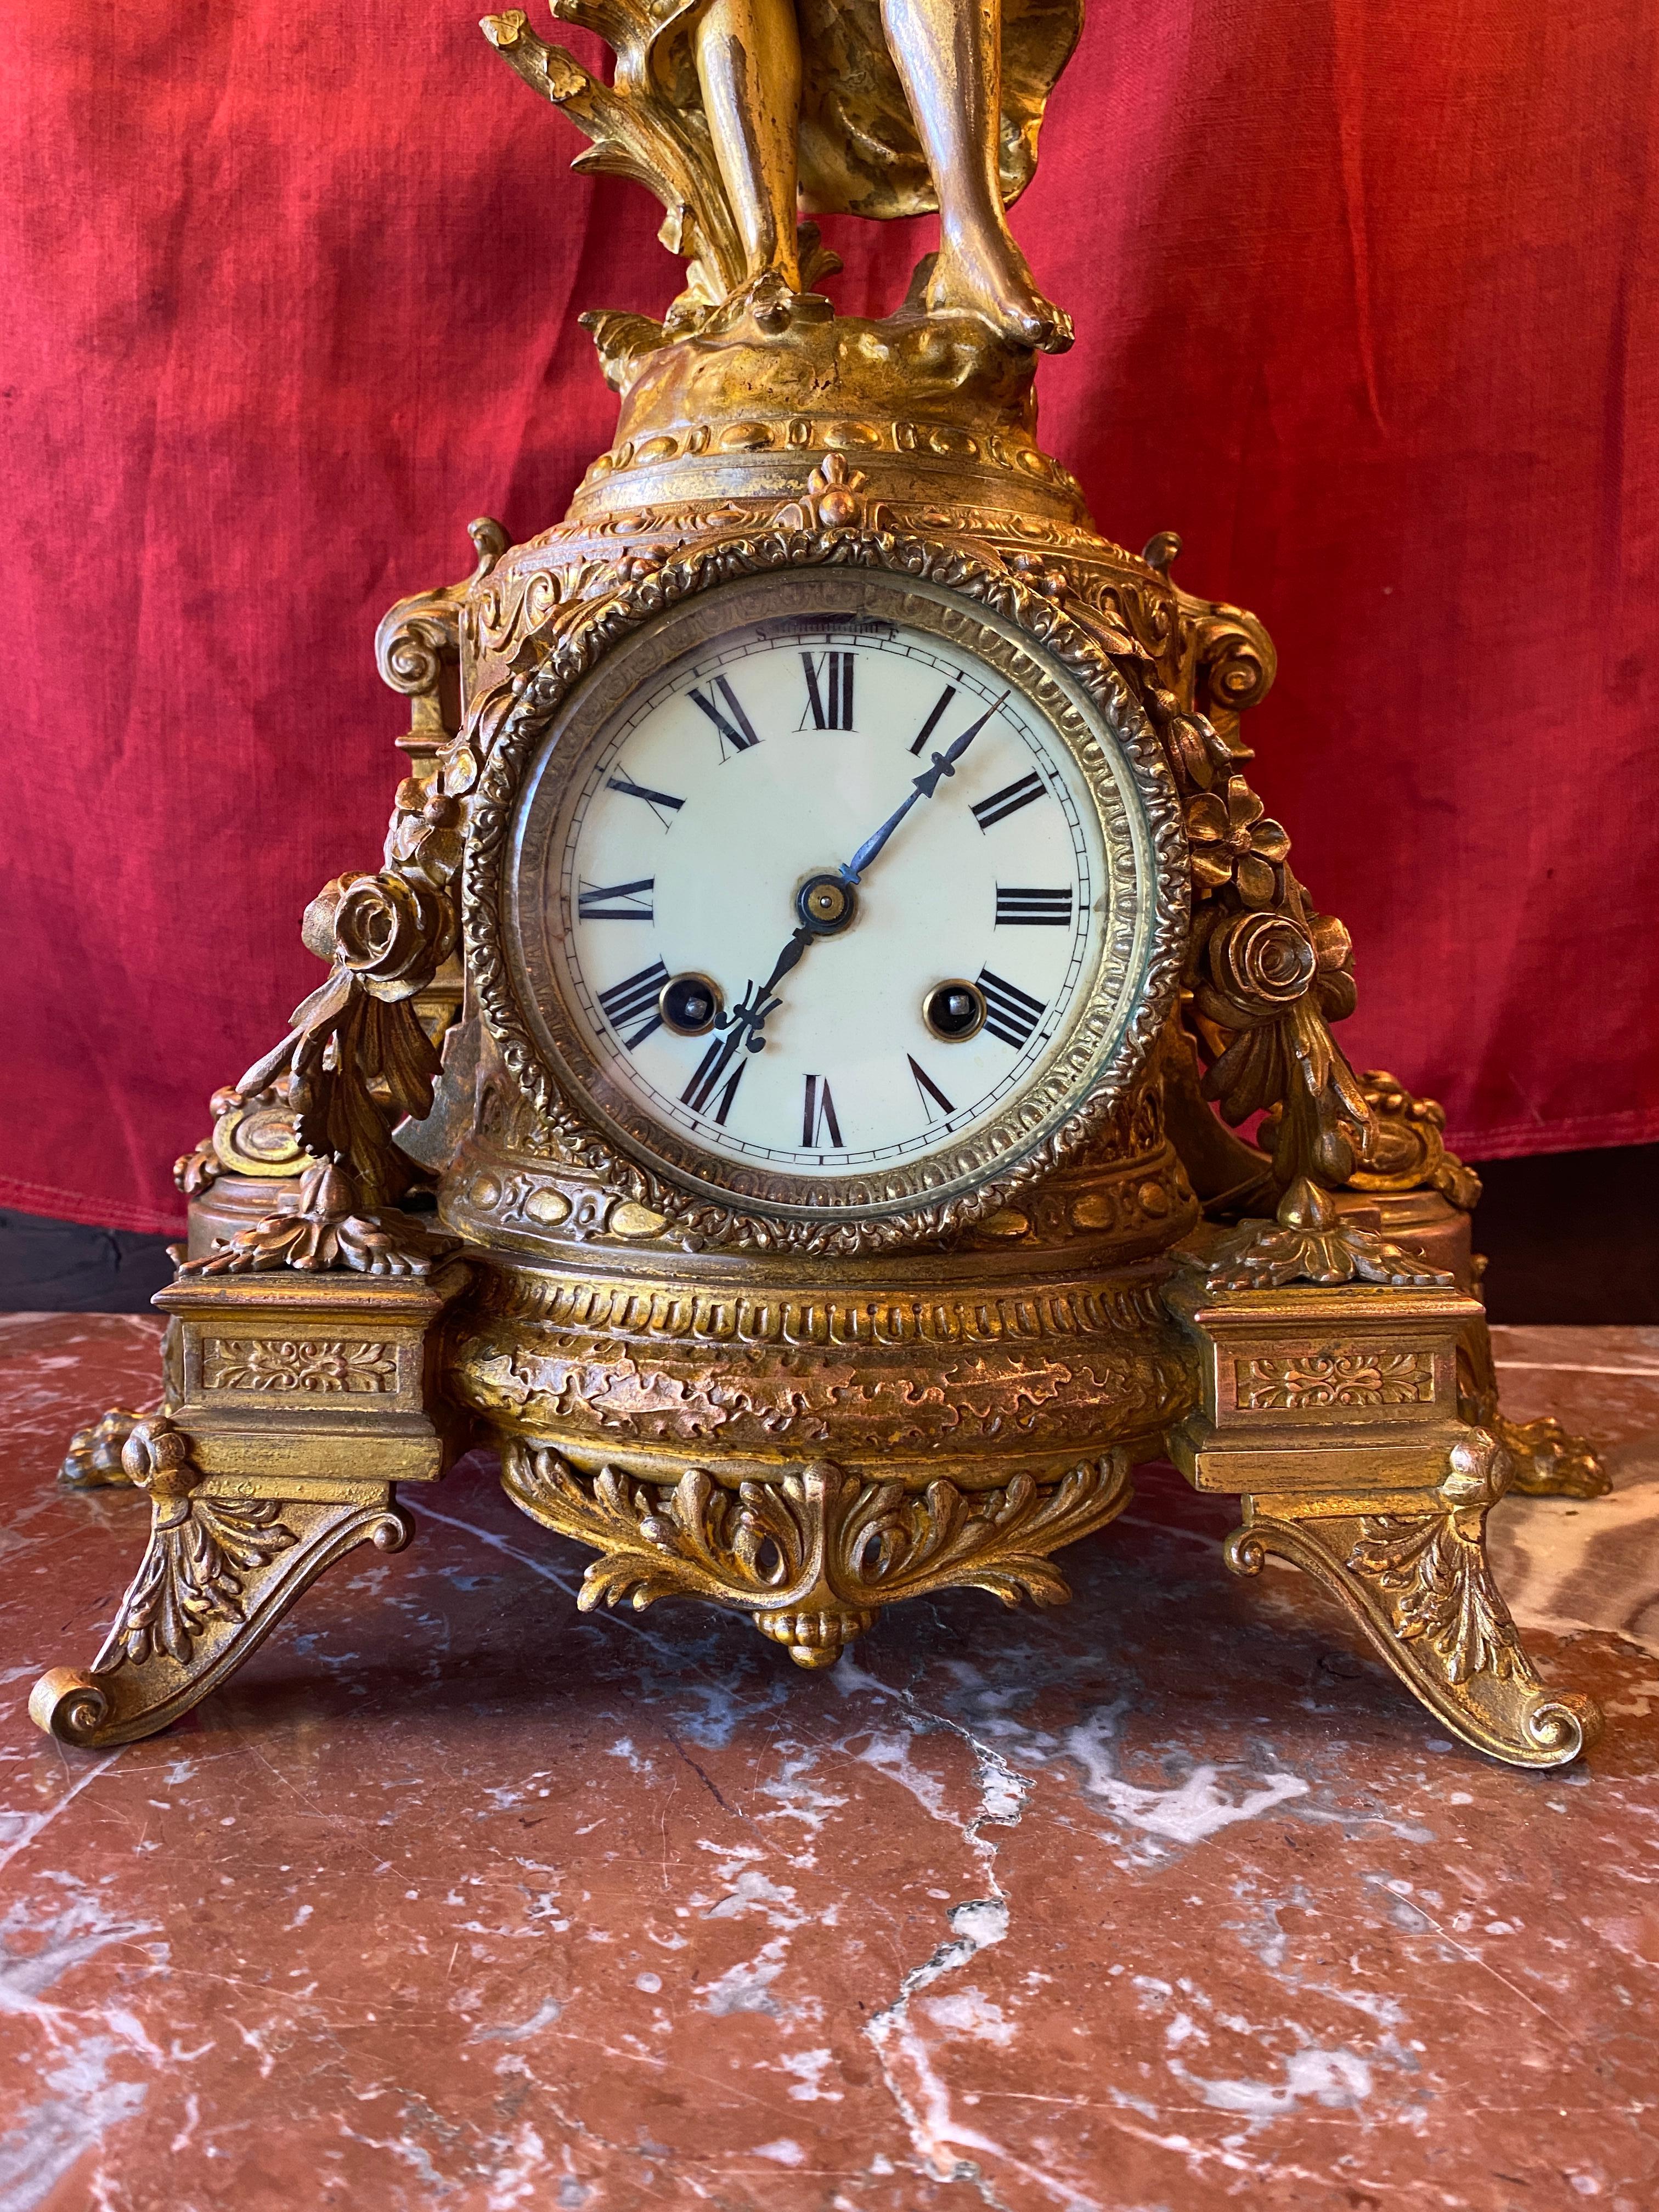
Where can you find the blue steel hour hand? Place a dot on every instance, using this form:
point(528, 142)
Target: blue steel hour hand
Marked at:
point(743, 1023)
point(924, 786)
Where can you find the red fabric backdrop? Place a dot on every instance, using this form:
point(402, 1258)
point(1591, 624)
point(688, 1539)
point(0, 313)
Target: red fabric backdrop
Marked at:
point(1366, 310)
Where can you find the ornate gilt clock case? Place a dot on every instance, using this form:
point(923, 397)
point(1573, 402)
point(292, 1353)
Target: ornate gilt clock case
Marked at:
point(805, 1291)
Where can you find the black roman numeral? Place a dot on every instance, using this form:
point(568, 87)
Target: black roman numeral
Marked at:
point(933, 721)
point(635, 999)
point(828, 690)
point(697, 1093)
point(1009, 800)
point(819, 1115)
point(736, 730)
point(927, 1088)
point(1042, 909)
point(619, 901)
point(663, 804)
point(1010, 1013)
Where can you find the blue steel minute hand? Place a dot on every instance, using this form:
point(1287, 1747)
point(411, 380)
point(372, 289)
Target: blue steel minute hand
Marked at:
point(924, 786)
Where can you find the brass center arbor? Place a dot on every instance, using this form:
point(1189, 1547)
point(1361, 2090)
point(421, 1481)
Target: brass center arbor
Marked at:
point(731, 1388)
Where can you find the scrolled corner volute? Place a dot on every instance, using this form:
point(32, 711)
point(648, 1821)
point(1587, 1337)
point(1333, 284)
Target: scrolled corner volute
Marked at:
point(418, 639)
point(1230, 659)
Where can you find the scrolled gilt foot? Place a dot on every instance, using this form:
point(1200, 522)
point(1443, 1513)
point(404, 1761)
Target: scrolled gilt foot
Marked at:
point(1550, 1462)
point(220, 1572)
point(811, 1556)
point(92, 1461)
point(1420, 1586)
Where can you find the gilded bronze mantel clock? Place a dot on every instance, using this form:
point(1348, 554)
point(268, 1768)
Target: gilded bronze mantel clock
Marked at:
point(780, 1087)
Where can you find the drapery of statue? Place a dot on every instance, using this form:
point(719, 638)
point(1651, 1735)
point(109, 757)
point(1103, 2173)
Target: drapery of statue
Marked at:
point(747, 117)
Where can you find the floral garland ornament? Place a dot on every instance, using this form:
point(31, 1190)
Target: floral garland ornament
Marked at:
point(417, 649)
point(1233, 841)
point(1267, 974)
point(357, 1061)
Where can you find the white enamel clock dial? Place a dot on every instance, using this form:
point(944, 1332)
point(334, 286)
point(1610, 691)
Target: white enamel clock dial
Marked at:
point(755, 966)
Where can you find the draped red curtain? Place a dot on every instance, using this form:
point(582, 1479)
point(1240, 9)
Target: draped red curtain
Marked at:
point(1365, 299)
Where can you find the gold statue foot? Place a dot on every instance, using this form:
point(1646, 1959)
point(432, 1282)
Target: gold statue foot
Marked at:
point(1420, 1586)
point(812, 1555)
point(221, 1570)
point(92, 1461)
point(973, 278)
point(1550, 1462)
point(770, 302)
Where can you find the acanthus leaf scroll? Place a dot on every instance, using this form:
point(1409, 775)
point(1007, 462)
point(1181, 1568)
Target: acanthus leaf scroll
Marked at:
point(812, 1555)
point(202, 1551)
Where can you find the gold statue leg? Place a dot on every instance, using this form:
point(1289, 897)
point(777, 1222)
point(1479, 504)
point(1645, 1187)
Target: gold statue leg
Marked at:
point(221, 1570)
point(949, 56)
point(749, 62)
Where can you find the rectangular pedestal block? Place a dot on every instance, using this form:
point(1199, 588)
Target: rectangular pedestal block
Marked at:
point(1312, 1393)
point(294, 1385)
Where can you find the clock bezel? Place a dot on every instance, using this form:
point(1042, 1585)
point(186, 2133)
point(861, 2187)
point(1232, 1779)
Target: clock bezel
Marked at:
point(544, 741)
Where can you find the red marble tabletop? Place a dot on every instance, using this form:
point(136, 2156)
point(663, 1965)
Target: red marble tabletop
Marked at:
point(453, 1898)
